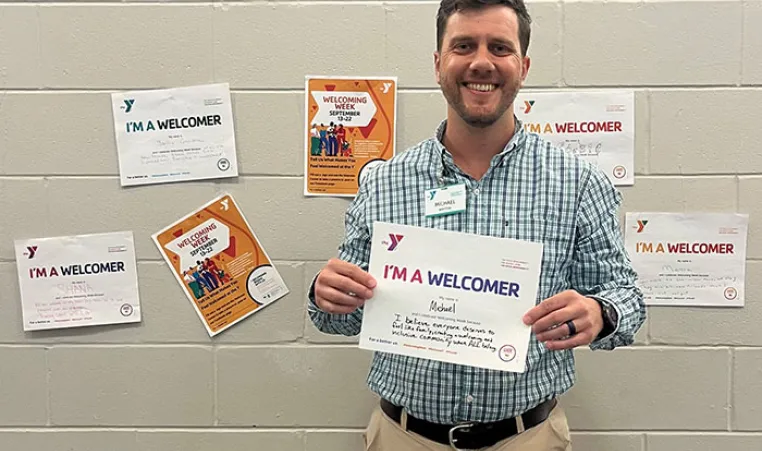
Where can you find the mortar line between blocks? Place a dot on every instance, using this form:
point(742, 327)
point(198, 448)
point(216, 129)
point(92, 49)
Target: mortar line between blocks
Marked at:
point(738, 193)
point(649, 134)
point(743, 34)
point(731, 363)
point(48, 413)
point(648, 329)
point(215, 385)
point(562, 34)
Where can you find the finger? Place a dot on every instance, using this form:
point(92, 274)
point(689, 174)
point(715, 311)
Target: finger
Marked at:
point(545, 307)
point(352, 271)
point(562, 330)
point(334, 296)
point(335, 309)
point(345, 285)
point(555, 318)
point(580, 339)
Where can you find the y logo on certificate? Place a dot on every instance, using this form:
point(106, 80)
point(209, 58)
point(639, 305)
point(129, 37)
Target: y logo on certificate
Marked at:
point(450, 296)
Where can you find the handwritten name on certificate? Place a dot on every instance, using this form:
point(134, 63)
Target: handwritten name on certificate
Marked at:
point(451, 297)
point(695, 259)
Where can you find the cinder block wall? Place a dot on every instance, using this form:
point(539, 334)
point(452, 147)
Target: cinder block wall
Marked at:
point(693, 382)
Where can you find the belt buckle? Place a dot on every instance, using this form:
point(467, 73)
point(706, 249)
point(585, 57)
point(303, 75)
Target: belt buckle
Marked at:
point(451, 433)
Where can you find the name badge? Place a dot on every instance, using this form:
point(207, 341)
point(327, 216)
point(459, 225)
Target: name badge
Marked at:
point(446, 201)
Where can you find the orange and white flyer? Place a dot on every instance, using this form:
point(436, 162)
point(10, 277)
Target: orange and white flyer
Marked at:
point(350, 128)
point(220, 264)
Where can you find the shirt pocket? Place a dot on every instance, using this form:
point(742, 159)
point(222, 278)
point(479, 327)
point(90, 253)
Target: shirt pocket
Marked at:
point(553, 230)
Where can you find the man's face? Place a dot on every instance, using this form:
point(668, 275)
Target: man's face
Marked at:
point(480, 67)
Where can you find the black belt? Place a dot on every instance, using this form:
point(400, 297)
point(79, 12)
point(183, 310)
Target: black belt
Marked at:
point(470, 435)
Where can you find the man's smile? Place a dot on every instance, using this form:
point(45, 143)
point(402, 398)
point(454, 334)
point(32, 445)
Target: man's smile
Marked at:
point(481, 87)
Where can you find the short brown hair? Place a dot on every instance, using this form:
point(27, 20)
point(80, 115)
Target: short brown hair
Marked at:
point(449, 7)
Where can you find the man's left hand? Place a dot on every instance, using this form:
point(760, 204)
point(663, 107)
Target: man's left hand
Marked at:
point(550, 320)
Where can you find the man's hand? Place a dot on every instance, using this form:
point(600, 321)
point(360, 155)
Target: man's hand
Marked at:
point(342, 287)
point(549, 320)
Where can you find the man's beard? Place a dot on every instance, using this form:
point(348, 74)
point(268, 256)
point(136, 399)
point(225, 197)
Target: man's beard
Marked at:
point(454, 98)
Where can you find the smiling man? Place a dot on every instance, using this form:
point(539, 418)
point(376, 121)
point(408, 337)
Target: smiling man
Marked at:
point(517, 186)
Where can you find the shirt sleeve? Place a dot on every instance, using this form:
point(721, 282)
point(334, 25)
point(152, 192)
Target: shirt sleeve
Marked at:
point(602, 269)
point(355, 249)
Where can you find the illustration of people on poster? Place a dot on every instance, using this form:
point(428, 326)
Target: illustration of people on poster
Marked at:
point(220, 264)
point(350, 128)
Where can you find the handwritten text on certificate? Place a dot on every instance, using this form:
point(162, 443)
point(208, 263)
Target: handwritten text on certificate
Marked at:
point(451, 297)
point(689, 259)
point(174, 135)
point(596, 126)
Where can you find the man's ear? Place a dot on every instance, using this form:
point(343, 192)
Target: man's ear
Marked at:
point(525, 63)
point(436, 65)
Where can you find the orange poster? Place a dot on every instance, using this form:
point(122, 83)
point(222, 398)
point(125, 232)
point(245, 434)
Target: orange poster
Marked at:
point(351, 127)
point(220, 264)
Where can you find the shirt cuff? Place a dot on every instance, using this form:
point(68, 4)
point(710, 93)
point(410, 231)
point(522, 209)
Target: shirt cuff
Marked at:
point(311, 305)
point(601, 341)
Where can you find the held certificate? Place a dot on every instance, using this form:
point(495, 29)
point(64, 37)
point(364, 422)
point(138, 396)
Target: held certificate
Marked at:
point(689, 259)
point(174, 135)
point(450, 296)
point(74, 281)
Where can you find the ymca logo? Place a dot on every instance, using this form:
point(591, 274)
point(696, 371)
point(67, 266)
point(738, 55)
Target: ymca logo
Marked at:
point(387, 86)
point(31, 251)
point(128, 105)
point(641, 225)
point(433, 194)
point(395, 241)
point(528, 104)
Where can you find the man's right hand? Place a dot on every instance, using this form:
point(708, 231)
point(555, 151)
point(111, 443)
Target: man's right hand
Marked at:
point(342, 287)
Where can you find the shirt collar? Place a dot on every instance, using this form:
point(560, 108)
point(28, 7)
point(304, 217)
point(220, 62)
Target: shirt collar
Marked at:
point(517, 142)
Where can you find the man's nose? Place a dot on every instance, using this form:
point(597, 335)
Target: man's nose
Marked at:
point(482, 60)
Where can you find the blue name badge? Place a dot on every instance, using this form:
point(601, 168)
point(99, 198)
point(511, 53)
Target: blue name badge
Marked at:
point(446, 201)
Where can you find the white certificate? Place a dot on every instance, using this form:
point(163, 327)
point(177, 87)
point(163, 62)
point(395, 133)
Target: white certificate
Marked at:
point(73, 281)
point(449, 296)
point(174, 135)
point(694, 259)
point(596, 126)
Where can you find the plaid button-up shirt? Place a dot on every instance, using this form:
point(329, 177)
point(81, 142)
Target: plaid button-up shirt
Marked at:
point(531, 191)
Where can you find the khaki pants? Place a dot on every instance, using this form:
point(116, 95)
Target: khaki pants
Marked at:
point(383, 434)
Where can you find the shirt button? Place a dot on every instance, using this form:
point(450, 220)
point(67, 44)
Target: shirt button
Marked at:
point(476, 191)
point(469, 399)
